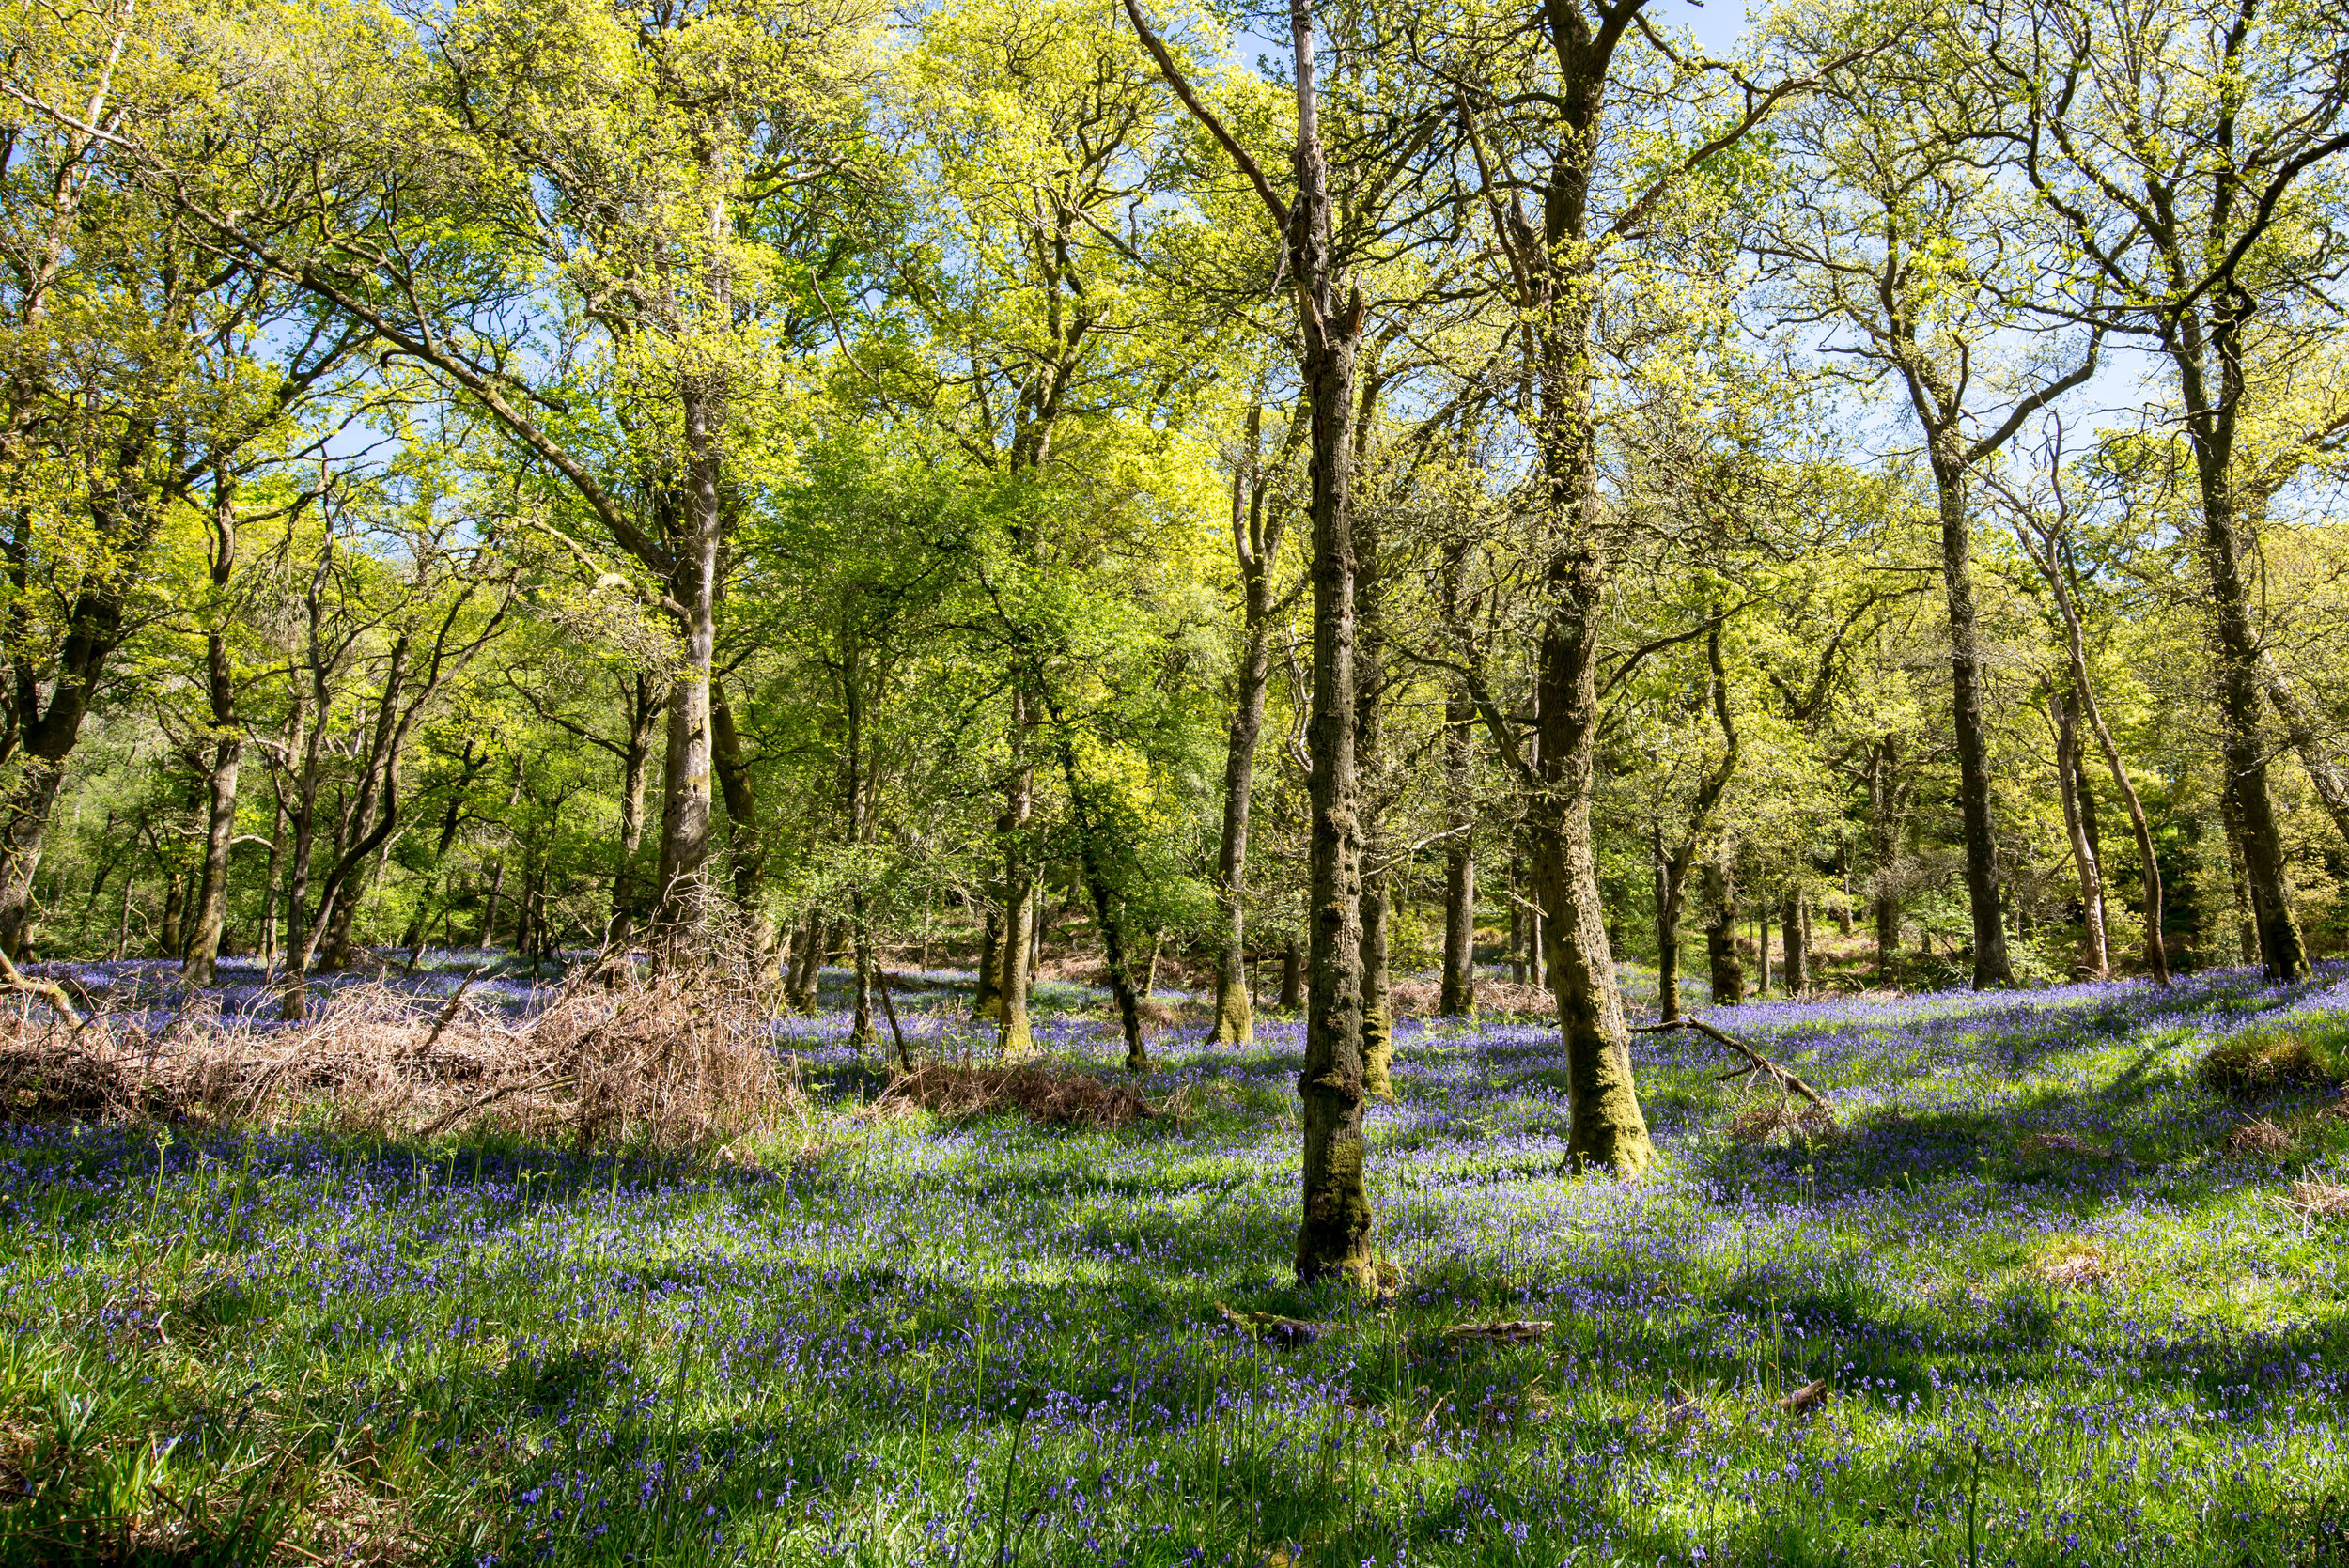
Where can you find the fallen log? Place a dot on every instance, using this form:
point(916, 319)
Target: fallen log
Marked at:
point(1757, 1063)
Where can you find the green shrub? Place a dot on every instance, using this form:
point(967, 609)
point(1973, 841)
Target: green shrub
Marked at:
point(2276, 1055)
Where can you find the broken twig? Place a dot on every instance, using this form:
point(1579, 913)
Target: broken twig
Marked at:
point(1759, 1063)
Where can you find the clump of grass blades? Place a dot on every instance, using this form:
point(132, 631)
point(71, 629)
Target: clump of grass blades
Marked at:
point(2253, 1061)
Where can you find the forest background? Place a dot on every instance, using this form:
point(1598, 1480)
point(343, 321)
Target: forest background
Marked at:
point(941, 486)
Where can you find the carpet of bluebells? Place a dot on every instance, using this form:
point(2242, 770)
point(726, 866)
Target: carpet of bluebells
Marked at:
point(2027, 1304)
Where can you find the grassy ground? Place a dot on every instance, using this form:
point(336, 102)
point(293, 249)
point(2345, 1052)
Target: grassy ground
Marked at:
point(2035, 1300)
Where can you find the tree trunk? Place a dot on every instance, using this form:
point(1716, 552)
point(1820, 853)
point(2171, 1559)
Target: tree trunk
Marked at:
point(24, 827)
point(2239, 884)
point(1761, 949)
point(1992, 967)
point(693, 589)
point(167, 941)
point(2324, 770)
point(2210, 423)
point(1255, 540)
point(1794, 923)
point(644, 706)
point(1459, 861)
point(211, 902)
point(2094, 959)
point(861, 1032)
point(1106, 914)
point(265, 935)
point(1670, 877)
point(745, 842)
point(1013, 1036)
point(1726, 969)
point(1333, 1234)
point(987, 998)
point(1292, 997)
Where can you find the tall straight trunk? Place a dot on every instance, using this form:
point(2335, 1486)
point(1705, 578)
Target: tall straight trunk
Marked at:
point(1885, 800)
point(265, 933)
point(1794, 924)
point(219, 692)
point(1108, 905)
point(1256, 541)
point(1992, 967)
point(745, 842)
point(644, 707)
point(1292, 997)
point(168, 943)
point(1670, 874)
point(861, 1031)
point(987, 998)
point(1761, 949)
point(1459, 999)
point(807, 947)
point(1516, 919)
point(1371, 784)
point(2094, 959)
point(685, 804)
point(1013, 1036)
point(2210, 423)
point(1333, 1237)
point(1333, 1234)
point(1725, 971)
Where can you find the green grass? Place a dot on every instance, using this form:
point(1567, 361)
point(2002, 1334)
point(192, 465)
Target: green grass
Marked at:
point(2059, 1315)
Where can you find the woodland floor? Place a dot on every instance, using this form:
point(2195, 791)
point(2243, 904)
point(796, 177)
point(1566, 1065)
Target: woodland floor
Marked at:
point(2038, 1298)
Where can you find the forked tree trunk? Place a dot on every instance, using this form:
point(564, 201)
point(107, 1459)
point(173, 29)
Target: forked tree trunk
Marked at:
point(2094, 960)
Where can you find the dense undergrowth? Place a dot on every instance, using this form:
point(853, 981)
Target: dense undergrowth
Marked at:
point(2035, 1299)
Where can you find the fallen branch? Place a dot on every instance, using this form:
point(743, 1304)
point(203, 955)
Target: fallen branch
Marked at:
point(48, 990)
point(1758, 1062)
point(1513, 1331)
point(1289, 1331)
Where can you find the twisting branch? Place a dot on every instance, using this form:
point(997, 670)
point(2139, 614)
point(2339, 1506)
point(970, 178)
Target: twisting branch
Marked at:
point(1759, 1063)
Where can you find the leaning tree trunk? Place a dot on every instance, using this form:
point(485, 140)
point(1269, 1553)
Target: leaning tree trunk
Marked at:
point(2096, 959)
point(2324, 770)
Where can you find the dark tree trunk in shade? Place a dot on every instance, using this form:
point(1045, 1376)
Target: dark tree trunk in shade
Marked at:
point(1292, 976)
point(1669, 872)
point(746, 842)
point(1107, 912)
point(1793, 921)
point(1459, 999)
point(167, 938)
point(986, 995)
point(1762, 950)
point(2239, 884)
point(1013, 1036)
